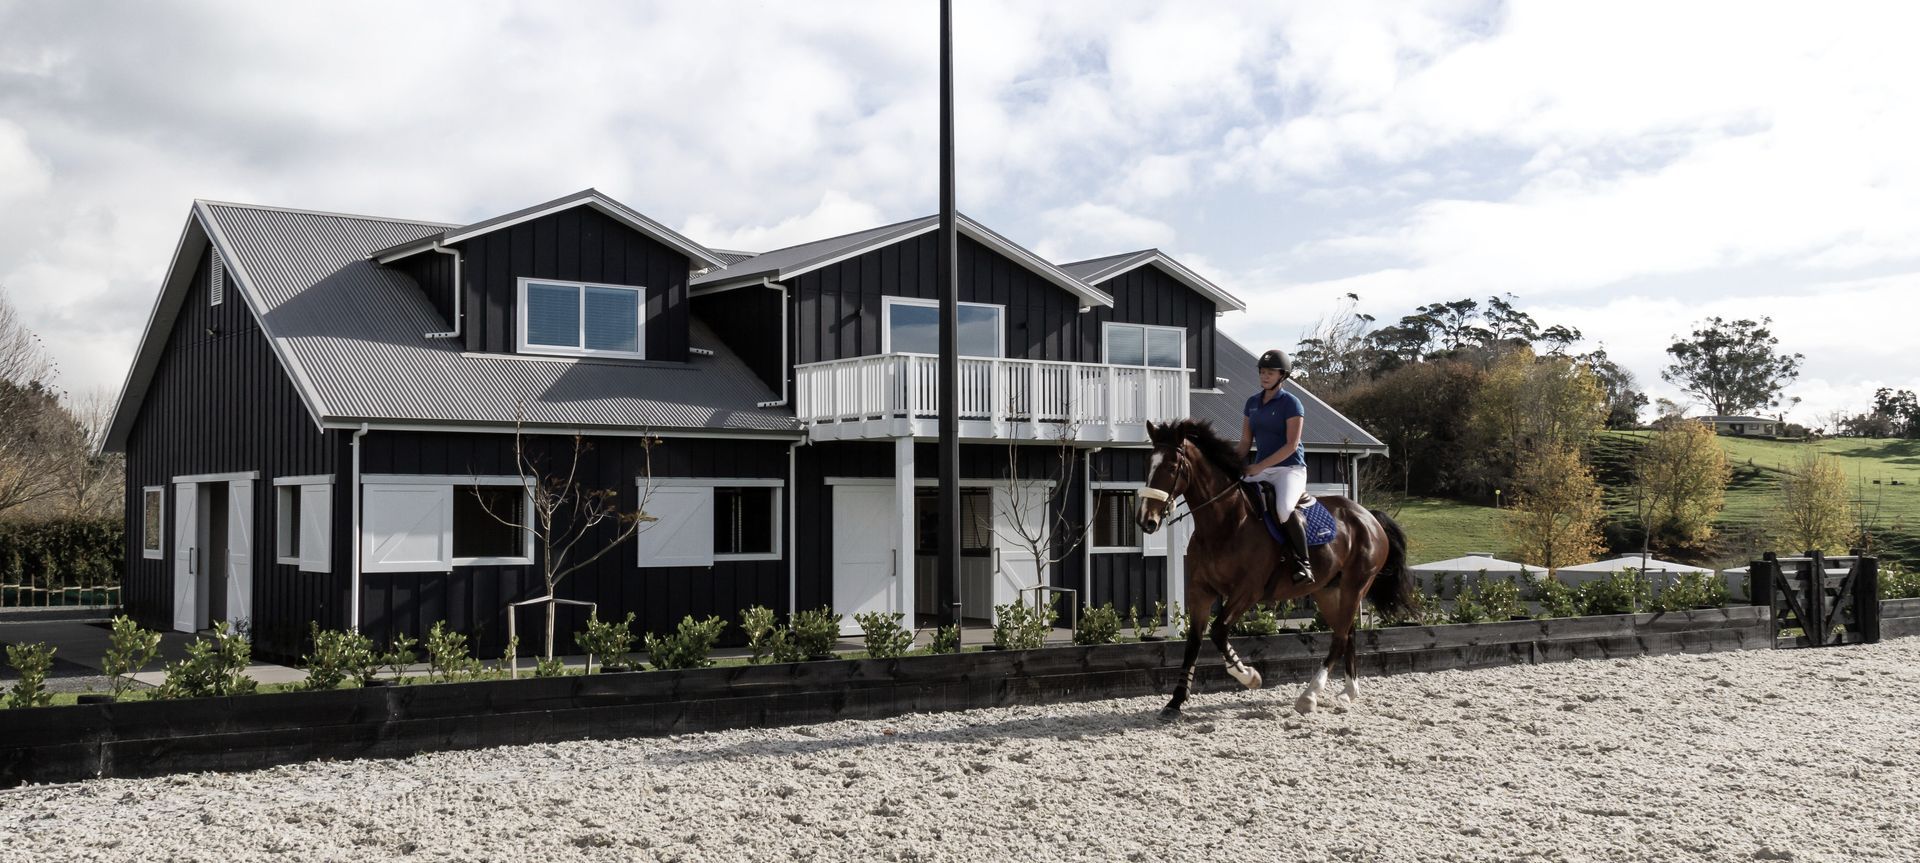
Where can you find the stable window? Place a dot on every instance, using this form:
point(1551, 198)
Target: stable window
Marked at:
point(976, 521)
point(432, 524)
point(1142, 345)
point(152, 520)
point(697, 522)
point(582, 318)
point(913, 327)
point(1115, 526)
point(303, 522)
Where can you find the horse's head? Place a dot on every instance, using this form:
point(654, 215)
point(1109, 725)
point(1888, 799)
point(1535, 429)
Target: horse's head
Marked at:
point(1168, 472)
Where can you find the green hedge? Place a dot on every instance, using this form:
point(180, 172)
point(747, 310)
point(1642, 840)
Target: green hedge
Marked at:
point(62, 552)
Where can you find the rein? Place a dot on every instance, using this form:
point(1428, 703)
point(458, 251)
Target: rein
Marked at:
point(1156, 494)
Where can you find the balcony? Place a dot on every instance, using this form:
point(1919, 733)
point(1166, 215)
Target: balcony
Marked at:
point(898, 395)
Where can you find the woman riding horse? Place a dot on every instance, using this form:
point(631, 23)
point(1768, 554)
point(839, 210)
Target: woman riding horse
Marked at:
point(1233, 560)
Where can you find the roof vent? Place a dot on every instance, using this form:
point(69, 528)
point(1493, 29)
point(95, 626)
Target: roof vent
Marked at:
point(218, 287)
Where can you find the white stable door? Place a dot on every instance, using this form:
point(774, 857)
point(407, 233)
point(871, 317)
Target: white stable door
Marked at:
point(863, 559)
point(1019, 517)
point(239, 550)
point(186, 551)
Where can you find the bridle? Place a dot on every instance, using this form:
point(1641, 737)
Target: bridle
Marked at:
point(1148, 492)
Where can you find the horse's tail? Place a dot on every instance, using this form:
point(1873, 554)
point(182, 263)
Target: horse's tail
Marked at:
point(1393, 592)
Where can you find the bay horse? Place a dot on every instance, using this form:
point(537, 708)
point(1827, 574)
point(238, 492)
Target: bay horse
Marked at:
point(1233, 559)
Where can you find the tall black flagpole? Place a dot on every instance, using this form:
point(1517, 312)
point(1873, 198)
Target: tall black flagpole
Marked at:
point(947, 283)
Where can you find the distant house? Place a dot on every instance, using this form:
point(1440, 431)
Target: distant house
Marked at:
point(1741, 426)
point(321, 414)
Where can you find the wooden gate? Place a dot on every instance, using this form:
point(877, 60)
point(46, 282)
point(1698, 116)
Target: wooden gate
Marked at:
point(1831, 600)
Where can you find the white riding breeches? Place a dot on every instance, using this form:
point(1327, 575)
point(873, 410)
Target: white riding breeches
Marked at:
point(1288, 482)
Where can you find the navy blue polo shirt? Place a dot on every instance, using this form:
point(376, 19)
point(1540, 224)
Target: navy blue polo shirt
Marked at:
point(1269, 423)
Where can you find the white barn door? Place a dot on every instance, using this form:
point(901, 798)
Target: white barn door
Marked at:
point(186, 549)
point(863, 552)
point(239, 550)
point(1018, 513)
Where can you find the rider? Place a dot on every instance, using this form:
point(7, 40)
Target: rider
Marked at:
point(1273, 421)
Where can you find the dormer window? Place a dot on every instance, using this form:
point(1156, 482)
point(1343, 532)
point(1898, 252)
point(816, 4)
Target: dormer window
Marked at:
point(582, 319)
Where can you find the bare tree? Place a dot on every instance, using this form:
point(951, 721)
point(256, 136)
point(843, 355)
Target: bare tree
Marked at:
point(568, 519)
point(88, 481)
point(23, 358)
point(1053, 537)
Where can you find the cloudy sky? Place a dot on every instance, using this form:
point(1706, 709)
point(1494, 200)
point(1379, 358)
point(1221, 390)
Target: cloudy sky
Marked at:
point(1624, 168)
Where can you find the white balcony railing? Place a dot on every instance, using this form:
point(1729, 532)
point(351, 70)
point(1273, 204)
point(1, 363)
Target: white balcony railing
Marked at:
point(896, 395)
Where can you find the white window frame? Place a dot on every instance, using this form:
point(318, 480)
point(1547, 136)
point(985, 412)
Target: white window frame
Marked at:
point(309, 559)
point(520, 323)
point(1093, 495)
point(778, 514)
point(454, 484)
point(286, 522)
point(886, 324)
point(159, 551)
point(1106, 336)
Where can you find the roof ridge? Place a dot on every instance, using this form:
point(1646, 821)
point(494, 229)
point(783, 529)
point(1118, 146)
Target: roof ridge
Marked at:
point(337, 215)
point(901, 223)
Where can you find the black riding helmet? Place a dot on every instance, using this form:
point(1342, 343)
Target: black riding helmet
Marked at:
point(1277, 359)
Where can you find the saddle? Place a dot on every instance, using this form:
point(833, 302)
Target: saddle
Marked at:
point(1321, 525)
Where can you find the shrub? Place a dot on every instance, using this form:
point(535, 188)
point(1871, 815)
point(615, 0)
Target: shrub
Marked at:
point(946, 639)
point(129, 650)
point(688, 646)
point(608, 640)
point(886, 638)
point(31, 662)
point(214, 666)
point(447, 656)
point(1020, 627)
point(1098, 626)
point(1179, 622)
point(1142, 629)
point(337, 657)
point(1466, 607)
point(764, 635)
point(1557, 599)
point(1692, 590)
point(509, 655)
point(64, 553)
point(1621, 592)
point(554, 667)
point(1898, 582)
point(1489, 599)
point(399, 655)
point(814, 633)
point(1259, 620)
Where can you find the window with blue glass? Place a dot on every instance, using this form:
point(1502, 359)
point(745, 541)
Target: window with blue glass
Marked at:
point(582, 318)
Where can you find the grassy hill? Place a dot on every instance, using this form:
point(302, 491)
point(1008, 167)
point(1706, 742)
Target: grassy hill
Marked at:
point(1440, 529)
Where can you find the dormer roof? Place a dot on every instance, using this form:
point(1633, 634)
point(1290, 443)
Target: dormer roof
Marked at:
point(584, 198)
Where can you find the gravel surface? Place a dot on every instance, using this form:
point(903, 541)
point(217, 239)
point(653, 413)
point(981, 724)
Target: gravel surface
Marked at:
point(1806, 755)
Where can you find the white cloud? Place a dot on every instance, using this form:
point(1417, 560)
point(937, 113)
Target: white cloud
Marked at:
point(1091, 230)
point(836, 214)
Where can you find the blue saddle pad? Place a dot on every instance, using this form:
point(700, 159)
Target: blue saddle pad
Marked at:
point(1321, 526)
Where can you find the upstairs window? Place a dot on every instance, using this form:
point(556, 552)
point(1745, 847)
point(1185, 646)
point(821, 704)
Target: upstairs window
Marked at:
point(1142, 345)
point(582, 319)
point(913, 327)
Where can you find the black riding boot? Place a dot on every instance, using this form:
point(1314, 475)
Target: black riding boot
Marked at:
point(1295, 527)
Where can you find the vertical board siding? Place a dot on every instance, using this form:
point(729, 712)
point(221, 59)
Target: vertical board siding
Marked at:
point(220, 402)
point(576, 244)
point(1126, 578)
point(747, 320)
point(434, 273)
point(838, 308)
point(1145, 295)
point(472, 599)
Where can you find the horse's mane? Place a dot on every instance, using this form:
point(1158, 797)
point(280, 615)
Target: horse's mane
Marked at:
point(1225, 457)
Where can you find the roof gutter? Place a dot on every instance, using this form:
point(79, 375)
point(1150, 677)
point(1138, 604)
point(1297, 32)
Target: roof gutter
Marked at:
point(786, 369)
point(459, 316)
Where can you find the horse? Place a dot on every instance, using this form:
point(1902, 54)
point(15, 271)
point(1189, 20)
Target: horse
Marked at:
point(1240, 564)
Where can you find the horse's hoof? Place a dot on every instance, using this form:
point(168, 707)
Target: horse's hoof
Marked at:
point(1248, 676)
point(1255, 681)
point(1170, 714)
point(1305, 703)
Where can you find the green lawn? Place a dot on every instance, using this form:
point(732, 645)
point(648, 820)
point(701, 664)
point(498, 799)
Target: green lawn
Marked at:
point(1438, 529)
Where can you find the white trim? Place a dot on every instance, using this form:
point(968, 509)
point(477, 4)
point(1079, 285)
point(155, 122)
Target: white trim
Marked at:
point(160, 552)
point(711, 482)
point(525, 558)
point(1106, 333)
point(589, 431)
point(309, 479)
point(520, 325)
point(1179, 273)
point(437, 479)
point(779, 547)
point(286, 522)
point(886, 325)
point(219, 477)
point(1093, 496)
point(608, 207)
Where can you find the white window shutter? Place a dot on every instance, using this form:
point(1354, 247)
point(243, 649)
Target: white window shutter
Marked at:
point(407, 528)
point(683, 535)
point(316, 528)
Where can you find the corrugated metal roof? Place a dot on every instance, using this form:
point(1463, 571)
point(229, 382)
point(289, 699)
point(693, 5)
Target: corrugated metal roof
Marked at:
point(355, 330)
point(585, 197)
point(1094, 271)
point(1325, 428)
